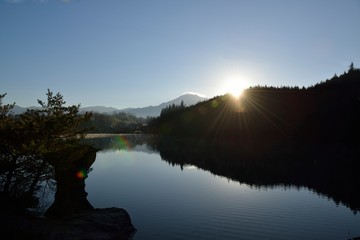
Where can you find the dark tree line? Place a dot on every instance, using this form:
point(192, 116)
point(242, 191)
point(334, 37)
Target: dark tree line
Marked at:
point(326, 112)
point(115, 123)
point(171, 109)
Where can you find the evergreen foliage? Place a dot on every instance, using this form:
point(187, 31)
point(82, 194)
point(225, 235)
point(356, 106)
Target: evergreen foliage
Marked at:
point(172, 109)
point(29, 142)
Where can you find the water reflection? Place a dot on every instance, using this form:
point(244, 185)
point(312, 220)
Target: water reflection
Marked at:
point(165, 201)
point(128, 142)
point(166, 186)
point(328, 170)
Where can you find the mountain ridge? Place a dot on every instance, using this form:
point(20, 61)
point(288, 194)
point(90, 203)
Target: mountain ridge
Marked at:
point(153, 111)
point(148, 111)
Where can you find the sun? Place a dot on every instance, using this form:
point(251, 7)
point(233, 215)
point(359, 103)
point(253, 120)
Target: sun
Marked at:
point(235, 87)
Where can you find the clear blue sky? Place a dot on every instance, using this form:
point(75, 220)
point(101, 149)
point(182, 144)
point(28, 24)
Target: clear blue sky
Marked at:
point(133, 53)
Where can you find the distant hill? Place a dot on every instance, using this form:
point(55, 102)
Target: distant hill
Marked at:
point(19, 110)
point(152, 111)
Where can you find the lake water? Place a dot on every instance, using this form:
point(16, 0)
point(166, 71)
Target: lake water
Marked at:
point(171, 201)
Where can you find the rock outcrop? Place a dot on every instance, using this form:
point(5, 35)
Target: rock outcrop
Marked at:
point(71, 168)
point(107, 223)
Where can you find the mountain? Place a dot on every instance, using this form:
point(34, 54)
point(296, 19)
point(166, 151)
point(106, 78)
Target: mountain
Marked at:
point(19, 110)
point(151, 111)
point(154, 111)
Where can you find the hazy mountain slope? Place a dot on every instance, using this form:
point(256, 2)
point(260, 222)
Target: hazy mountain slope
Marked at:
point(154, 111)
point(18, 110)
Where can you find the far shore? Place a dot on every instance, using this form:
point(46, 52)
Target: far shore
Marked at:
point(101, 135)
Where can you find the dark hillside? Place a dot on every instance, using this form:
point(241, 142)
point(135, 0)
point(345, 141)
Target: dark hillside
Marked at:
point(337, 114)
point(326, 112)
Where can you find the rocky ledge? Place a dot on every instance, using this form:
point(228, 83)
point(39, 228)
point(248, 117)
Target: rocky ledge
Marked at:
point(106, 223)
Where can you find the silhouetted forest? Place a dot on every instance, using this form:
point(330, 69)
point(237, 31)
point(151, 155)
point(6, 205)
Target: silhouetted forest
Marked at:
point(115, 123)
point(327, 112)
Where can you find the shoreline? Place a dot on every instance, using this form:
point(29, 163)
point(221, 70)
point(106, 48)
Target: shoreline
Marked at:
point(103, 135)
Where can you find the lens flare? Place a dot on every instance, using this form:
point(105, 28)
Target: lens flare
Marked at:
point(122, 143)
point(81, 174)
